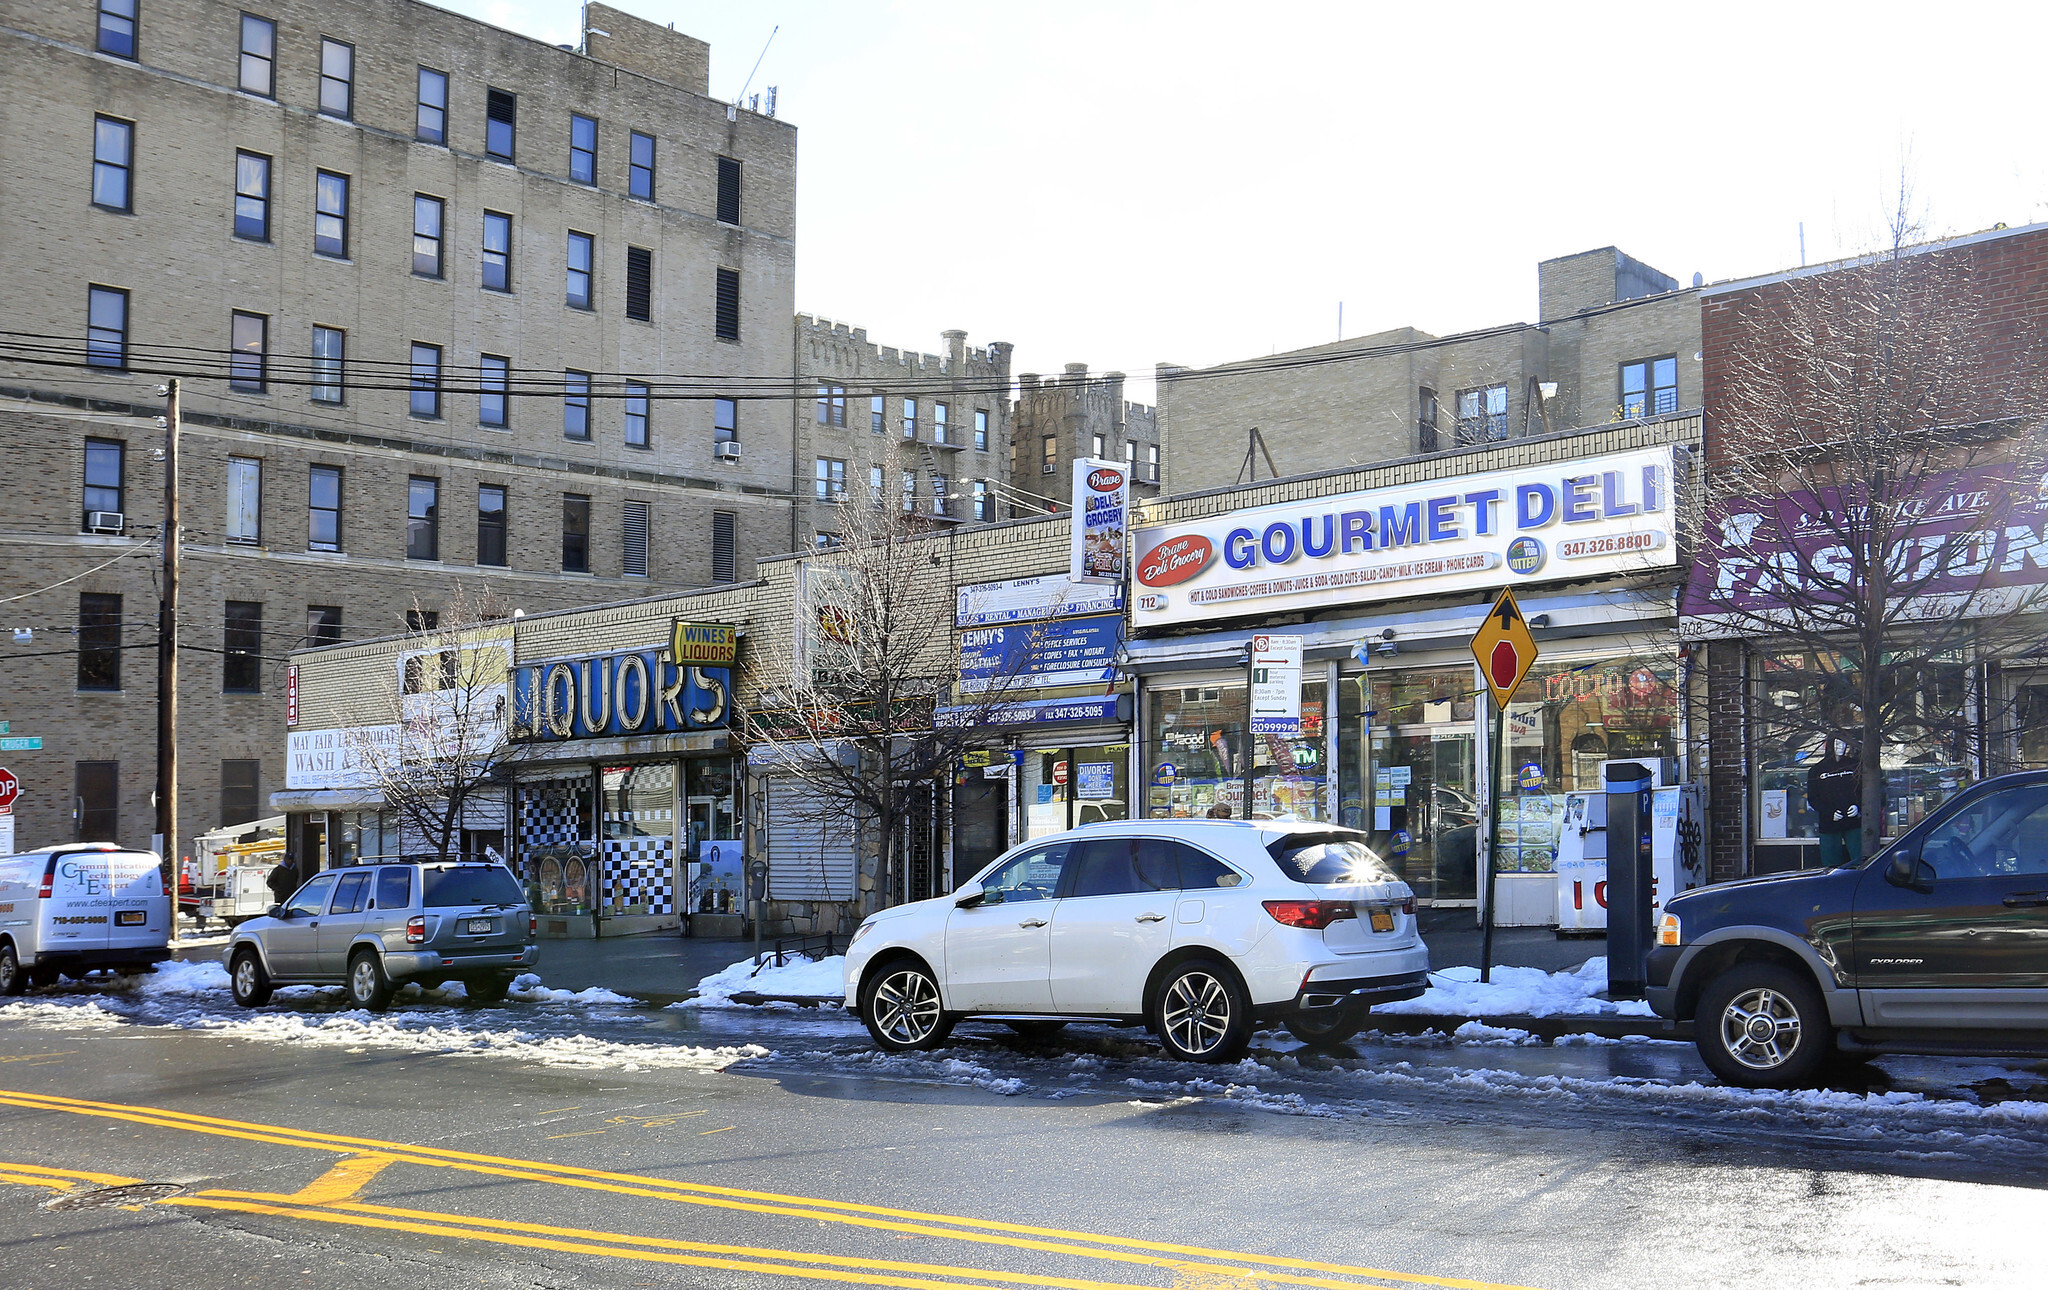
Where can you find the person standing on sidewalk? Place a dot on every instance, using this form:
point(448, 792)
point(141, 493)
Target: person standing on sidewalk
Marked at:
point(1834, 789)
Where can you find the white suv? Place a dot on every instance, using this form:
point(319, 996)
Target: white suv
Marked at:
point(1199, 929)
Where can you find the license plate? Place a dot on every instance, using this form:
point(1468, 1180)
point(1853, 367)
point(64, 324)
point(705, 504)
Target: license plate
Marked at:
point(1383, 920)
point(130, 917)
point(478, 927)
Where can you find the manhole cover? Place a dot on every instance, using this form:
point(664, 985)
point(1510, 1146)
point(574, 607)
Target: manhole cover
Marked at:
point(112, 1197)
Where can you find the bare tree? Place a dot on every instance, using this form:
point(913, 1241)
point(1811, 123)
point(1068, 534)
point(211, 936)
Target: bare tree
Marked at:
point(862, 703)
point(439, 735)
point(1869, 501)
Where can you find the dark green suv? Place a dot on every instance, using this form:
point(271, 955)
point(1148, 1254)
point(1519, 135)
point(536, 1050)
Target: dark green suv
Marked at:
point(1936, 944)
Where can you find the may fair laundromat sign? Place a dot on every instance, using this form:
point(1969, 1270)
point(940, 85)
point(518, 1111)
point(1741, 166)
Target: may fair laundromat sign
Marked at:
point(1551, 522)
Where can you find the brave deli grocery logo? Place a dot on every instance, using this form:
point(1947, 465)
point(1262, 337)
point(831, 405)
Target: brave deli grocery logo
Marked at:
point(1105, 480)
point(1175, 560)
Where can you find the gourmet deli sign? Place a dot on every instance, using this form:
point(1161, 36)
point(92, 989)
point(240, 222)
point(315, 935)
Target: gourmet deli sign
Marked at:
point(1541, 523)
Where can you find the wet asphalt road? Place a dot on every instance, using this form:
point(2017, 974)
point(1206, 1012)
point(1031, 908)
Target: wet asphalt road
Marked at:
point(555, 1146)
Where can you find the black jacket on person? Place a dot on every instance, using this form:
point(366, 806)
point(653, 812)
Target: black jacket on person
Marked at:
point(283, 881)
point(1834, 789)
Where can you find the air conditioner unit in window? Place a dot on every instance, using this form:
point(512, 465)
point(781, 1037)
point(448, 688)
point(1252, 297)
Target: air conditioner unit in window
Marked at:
point(727, 451)
point(105, 522)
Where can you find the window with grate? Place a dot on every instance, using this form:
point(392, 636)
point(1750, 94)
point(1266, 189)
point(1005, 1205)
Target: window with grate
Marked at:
point(98, 785)
point(501, 123)
point(575, 533)
point(634, 563)
point(252, 196)
point(99, 641)
point(337, 78)
point(724, 549)
point(113, 163)
point(117, 28)
point(323, 508)
point(490, 525)
point(497, 261)
point(636, 403)
point(323, 624)
point(430, 115)
point(728, 190)
point(239, 799)
point(639, 283)
point(259, 55)
point(728, 321)
point(242, 648)
point(582, 149)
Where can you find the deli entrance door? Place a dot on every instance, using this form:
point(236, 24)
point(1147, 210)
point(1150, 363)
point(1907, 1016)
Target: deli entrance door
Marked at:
point(1441, 805)
point(1414, 741)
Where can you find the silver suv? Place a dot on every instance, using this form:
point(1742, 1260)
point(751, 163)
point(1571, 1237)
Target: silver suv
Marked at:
point(379, 927)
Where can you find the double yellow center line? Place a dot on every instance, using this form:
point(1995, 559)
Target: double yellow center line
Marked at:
point(331, 1200)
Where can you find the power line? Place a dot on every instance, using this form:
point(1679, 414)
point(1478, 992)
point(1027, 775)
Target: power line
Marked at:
point(139, 546)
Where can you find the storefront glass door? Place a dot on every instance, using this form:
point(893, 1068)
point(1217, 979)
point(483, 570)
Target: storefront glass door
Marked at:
point(1064, 788)
point(1409, 772)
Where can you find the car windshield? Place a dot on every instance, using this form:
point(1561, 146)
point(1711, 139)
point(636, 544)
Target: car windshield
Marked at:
point(1328, 858)
point(475, 884)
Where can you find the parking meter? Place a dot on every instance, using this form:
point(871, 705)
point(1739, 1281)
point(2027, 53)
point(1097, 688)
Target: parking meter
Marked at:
point(1629, 879)
point(757, 899)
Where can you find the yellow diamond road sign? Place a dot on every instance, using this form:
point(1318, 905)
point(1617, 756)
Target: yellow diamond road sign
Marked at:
point(1504, 648)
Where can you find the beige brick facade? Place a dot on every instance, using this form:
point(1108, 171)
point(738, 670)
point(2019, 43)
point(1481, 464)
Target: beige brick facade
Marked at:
point(1065, 417)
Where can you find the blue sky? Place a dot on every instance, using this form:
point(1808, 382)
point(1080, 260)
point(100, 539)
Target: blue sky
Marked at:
point(1125, 183)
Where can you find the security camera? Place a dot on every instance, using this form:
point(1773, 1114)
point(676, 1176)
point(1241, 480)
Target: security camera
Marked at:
point(1386, 634)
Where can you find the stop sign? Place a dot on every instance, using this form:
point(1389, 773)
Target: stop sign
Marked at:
point(10, 788)
point(1059, 772)
point(1505, 665)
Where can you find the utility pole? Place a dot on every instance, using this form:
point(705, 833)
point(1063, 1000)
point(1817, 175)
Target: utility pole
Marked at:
point(167, 659)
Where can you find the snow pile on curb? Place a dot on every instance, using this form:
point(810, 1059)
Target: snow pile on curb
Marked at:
point(526, 988)
point(799, 978)
point(1519, 992)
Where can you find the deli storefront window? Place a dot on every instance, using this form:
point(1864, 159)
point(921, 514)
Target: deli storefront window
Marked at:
point(1567, 718)
point(1806, 699)
point(1196, 750)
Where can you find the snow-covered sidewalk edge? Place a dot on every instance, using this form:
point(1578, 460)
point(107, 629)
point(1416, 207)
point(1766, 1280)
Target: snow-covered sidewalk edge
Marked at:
point(800, 982)
point(1519, 992)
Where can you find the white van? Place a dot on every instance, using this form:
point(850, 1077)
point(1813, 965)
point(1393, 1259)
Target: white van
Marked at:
point(71, 909)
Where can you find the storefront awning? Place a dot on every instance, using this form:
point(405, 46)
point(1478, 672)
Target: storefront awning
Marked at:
point(1444, 627)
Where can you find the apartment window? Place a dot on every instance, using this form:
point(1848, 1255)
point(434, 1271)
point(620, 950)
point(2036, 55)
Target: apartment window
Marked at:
point(939, 423)
point(636, 414)
point(323, 624)
point(330, 215)
point(1483, 414)
point(494, 376)
point(1425, 419)
point(330, 347)
point(633, 562)
point(909, 491)
point(875, 486)
point(576, 404)
point(878, 413)
point(103, 475)
point(941, 494)
point(1649, 387)
point(242, 648)
point(113, 161)
point(98, 785)
point(639, 283)
point(99, 641)
point(1152, 462)
point(248, 338)
point(490, 525)
point(1095, 449)
point(426, 381)
point(831, 479)
point(831, 405)
point(981, 511)
point(245, 500)
point(323, 508)
point(1131, 455)
point(337, 78)
point(501, 123)
point(981, 430)
point(724, 548)
point(426, 235)
point(106, 327)
point(728, 190)
point(909, 418)
point(430, 119)
point(582, 255)
point(725, 420)
point(1049, 455)
point(239, 781)
point(259, 55)
point(640, 177)
point(422, 519)
point(117, 28)
point(824, 541)
point(497, 251)
point(582, 149)
point(728, 321)
point(575, 533)
point(252, 196)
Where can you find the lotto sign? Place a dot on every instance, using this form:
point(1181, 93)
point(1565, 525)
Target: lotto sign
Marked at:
point(1504, 648)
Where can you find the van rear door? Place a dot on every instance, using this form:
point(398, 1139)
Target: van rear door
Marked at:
point(80, 907)
point(141, 913)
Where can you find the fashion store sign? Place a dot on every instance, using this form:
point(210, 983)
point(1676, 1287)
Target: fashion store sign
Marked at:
point(1551, 522)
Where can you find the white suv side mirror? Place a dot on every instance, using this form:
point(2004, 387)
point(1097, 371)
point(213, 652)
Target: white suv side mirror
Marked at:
point(967, 893)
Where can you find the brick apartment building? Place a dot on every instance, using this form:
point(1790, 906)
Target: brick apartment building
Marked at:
point(1073, 415)
point(1614, 340)
point(408, 266)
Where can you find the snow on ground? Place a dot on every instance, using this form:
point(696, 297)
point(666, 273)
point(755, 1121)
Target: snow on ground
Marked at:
point(800, 977)
point(527, 988)
point(1519, 992)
